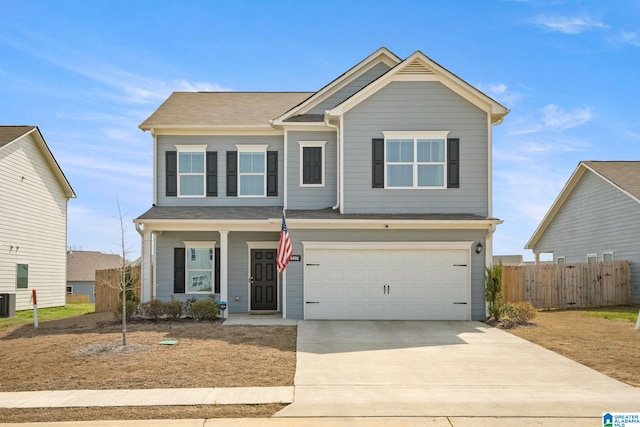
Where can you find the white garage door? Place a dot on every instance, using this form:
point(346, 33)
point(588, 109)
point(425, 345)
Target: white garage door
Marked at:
point(387, 284)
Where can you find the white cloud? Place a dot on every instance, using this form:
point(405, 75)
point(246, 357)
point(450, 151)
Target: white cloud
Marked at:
point(556, 118)
point(500, 93)
point(568, 25)
point(630, 38)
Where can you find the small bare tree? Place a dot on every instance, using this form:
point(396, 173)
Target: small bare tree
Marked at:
point(126, 283)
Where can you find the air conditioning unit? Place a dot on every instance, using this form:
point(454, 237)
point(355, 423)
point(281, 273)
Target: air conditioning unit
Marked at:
point(7, 305)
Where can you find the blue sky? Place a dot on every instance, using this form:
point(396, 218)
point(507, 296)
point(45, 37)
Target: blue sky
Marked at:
point(89, 72)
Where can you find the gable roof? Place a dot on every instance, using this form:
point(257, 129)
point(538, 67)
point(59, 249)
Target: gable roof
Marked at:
point(419, 67)
point(622, 175)
point(222, 109)
point(11, 134)
point(82, 265)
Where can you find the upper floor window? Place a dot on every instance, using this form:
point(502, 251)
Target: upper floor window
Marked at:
point(191, 170)
point(312, 163)
point(252, 167)
point(415, 159)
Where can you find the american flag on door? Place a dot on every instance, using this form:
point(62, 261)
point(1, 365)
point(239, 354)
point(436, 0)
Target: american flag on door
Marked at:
point(284, 247)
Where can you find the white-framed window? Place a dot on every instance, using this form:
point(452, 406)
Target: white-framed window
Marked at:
point(22, 276)
point(199, 267)
point(69, 289)
point(607, 256)
point(592, 258)
point(561, 260)
point(252, 170)
point(312, 161)
point(191, 170)
point(415, 159)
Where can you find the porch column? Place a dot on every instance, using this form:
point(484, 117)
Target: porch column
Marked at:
point(224, 241)
point(145, 268)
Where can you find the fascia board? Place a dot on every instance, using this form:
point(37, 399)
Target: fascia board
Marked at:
point(380, 55)
point(221, 130)
point(461, 245)
point(51, 161)
point(556, 205)
point(442, 75)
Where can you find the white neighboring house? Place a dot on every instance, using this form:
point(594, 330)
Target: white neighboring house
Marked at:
point(33, 219)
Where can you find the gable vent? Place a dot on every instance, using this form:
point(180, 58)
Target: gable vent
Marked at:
point(416, 67)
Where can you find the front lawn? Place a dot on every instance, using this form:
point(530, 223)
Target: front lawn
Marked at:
point(45, 314)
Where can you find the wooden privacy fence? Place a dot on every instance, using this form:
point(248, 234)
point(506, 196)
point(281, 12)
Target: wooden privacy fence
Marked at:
point(108, 288)
point(568, 285)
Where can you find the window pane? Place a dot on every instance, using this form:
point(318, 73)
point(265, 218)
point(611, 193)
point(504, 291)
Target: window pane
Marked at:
point(22, 276)
point(251, 162)
point(430, 175)
point(399, 176)
point(399, 150)
point(199, 281)
point(200, 259)
point(431, 150)
point(607, 257)
point(191, 185)
point(252, 185)
point(191, 163)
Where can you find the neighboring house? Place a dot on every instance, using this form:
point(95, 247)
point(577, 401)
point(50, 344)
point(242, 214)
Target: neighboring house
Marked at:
point(81, 270)
point(508, 259)
point(595, 218)
point(33, 219)
point(385, 174)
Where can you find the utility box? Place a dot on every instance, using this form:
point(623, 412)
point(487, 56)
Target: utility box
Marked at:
point(7, 305)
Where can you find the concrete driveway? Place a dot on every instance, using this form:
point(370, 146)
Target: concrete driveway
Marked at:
point(456, 369)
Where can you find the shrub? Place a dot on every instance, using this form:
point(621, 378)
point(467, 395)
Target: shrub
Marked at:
point(153, 309)
point(206, 309)
point(493, 289)
point(132, 308)
point(519, 313)
point(173, 309)
point(187, 305)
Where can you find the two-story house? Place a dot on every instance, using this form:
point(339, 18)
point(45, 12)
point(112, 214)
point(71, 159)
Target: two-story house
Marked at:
point(385, 175)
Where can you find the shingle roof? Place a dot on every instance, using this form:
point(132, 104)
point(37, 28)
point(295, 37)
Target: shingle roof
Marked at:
point(212, 109)
point(265, 213)
point(11, 133)
point(625, 175)
point(82, 265)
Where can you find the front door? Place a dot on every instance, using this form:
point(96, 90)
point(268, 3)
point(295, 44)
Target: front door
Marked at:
point(264, 280)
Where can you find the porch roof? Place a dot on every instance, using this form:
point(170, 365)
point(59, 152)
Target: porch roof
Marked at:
point(266, 213)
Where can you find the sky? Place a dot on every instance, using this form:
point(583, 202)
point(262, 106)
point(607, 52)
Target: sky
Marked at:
point(87, 73)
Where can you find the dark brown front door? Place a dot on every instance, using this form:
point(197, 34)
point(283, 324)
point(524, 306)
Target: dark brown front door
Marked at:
point(264, 280)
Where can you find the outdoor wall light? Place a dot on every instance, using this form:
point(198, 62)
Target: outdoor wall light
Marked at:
point(479, 248)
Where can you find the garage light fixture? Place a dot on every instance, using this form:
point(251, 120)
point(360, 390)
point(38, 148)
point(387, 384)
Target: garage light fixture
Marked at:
point(479, 248)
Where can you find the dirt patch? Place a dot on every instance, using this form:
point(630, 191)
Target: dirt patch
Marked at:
point(84, 353)
point(610, 346)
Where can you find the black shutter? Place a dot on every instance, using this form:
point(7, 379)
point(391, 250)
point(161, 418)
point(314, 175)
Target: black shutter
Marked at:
point(178, 270)
point(377, 157)
point(272, 173)
point(232, 173)
point(171, 173)
point(312, 165)
point(453, 163)
point(212, 173)
point(216, 271)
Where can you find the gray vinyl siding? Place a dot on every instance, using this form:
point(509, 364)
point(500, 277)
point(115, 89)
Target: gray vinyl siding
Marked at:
point(349, 89)
point(419, 106)
point(596, 218)
point(33, 216)
point(221, 144)
point(84, 288)
point(311, 197)
point(238, 264)
point(295, 297)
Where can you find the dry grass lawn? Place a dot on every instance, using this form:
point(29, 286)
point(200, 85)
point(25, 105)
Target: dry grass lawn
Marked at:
point(608, 345)
point(65, 355)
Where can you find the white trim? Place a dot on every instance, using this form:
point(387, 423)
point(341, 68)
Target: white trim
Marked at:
point(594, 255)
point(211, 245)
point(199, 244)
point(285, 173)
point(252, 148)
point(269, 244)
point(415, 164)
point(218, 130)
point(608, 253)
point(388, 245)
point(303, 145)
point(419, 134)
point(563, 258)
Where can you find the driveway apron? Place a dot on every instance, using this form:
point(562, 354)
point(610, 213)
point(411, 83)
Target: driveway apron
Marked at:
point(410, 368)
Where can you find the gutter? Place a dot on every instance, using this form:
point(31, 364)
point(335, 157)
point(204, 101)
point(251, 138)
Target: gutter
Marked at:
point(339, 162)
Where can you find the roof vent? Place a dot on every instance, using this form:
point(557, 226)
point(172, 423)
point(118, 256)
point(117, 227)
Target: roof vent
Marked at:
point(416, 67)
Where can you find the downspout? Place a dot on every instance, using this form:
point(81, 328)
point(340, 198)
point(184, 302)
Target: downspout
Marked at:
point(285, 197)
point(155, 171)
point(338, 160)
